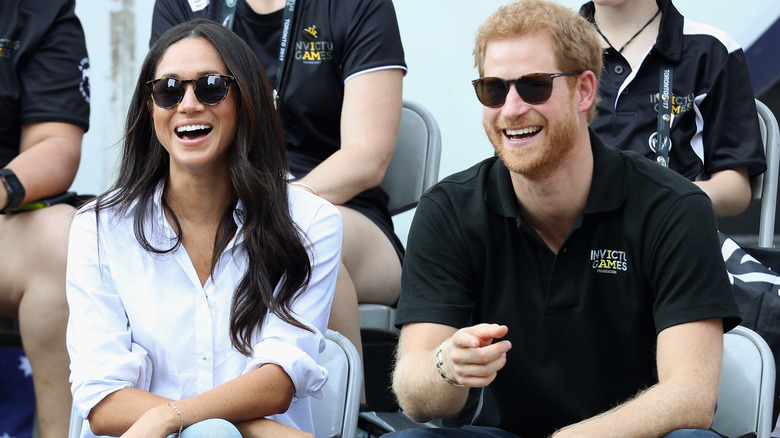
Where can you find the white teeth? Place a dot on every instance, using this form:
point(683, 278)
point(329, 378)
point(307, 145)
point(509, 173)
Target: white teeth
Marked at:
point(511, 132)
point(192, 128)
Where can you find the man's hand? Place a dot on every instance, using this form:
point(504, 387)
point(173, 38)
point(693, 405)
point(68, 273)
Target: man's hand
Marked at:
point(471, 358)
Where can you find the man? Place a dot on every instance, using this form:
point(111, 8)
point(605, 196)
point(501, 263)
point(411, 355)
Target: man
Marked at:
point(44, 112)
point(571, 288)
point(714, 134)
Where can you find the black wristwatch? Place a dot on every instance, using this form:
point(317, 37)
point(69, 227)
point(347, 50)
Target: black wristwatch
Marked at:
point(14, 188)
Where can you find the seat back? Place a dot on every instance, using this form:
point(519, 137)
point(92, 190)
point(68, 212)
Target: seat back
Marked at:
point(764, 186)
point(747, 385)
point(415, 164)
point(336, 415)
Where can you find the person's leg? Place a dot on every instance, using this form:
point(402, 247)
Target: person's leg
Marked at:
point(464, 432)
point(370, 259)
point(32, 288)
point(370, 272)
point(692, 433)
point(213, 428)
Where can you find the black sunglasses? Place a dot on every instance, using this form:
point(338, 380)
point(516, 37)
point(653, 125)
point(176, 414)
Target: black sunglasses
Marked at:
point(533, 88)
point(209, 89)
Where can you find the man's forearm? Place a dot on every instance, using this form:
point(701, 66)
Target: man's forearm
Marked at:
point(655, 412)
point(421, 391)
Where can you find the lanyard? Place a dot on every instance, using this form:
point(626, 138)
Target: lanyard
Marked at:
point(228, 17)
point(287, 24)
point(663, 142)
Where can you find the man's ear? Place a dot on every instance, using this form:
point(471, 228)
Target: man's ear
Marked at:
point(587, 89)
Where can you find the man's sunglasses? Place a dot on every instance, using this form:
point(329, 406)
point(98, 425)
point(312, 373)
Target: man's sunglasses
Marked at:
point(209, 89)
point(533, 88)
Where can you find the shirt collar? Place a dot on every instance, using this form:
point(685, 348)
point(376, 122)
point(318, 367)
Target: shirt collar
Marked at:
point(158, 214)
point(608, 184)
point(669, 41)
point(607, 190)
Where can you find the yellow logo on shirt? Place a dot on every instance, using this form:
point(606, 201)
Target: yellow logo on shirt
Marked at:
point(608, 261)
point(313, 51)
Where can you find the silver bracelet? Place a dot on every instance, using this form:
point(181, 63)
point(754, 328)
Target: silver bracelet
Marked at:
point(181, 418)
point(440, 367)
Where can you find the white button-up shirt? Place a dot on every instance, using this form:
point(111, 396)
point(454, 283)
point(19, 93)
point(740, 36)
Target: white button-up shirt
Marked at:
point(143, 320)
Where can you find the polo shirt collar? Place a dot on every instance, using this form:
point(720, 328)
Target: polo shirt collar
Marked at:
point(499, 193)
point(608, 184)
point(607, 190)
point(669, 41)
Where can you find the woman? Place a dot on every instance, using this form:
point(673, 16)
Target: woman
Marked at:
point(199, 287)
point(339, 88)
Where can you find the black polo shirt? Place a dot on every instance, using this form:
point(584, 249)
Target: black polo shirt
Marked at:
point(643, 256)
point(44, 69)
point(715, 124)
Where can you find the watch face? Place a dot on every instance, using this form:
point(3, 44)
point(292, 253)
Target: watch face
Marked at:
point(13, 181)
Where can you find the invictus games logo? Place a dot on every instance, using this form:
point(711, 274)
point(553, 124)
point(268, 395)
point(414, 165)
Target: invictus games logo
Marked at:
point(608, 261)
point(84, 83)
point(7, 47)
point(680, 104)
point(313, 51)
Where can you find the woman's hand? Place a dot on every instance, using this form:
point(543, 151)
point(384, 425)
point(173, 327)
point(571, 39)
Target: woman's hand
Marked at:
point(158, 422)
point(266, 428)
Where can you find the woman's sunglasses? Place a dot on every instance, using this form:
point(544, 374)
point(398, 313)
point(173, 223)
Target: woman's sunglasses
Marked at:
point(209, 89)
point(533, 88)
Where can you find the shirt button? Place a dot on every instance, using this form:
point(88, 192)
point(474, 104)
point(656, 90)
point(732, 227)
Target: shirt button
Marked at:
point(619, 69)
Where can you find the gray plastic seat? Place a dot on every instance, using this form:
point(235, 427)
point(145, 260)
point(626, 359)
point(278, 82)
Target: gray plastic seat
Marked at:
point(336, 415)
point(764, 186)
point(747, 384)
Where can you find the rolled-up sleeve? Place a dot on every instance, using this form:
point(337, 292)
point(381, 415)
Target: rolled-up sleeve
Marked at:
point(103, 357)
point(294, 349)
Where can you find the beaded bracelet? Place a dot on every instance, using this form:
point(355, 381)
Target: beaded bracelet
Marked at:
point(181, 417)
point(440, 367)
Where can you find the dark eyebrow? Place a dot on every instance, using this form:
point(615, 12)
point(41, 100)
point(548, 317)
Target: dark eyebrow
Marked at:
point(197, 75)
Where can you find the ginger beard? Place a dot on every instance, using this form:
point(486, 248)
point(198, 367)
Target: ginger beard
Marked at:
point(541, 160)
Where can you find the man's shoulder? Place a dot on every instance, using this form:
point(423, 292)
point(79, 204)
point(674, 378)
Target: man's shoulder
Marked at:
point(468, 178)
point(643, 170)
point(708, 37)
point(464, 193)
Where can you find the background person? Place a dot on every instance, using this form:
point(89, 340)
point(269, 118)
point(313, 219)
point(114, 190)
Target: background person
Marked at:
point(552, 278)
point(44, 112)
point(199, 288)
point(715, 138)
point(340, 99)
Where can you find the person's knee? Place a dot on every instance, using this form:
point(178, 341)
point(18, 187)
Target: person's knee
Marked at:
point(212, 428)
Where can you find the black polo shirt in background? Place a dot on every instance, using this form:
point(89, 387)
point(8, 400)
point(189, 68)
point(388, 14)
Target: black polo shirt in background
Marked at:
point(644, 256)
point(44, 69)
point(715, 125)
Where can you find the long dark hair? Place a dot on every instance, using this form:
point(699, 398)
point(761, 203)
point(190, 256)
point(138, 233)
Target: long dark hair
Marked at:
point(257, 163)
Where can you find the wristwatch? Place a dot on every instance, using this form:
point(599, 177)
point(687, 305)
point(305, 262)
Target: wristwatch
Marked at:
point(14, 188)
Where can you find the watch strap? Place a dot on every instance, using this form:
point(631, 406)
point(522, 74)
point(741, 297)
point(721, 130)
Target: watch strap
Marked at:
point(14, 188)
